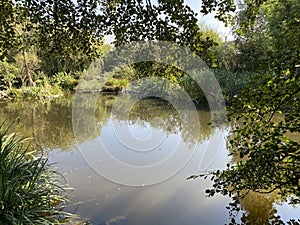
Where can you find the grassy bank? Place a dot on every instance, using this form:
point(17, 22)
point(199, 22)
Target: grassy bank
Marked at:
point(51, 86)
point(31, 192)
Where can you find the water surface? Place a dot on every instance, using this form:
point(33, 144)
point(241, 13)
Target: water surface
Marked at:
point(102, 200)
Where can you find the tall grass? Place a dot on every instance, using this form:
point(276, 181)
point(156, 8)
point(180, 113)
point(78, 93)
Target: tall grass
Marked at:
point(31, 192)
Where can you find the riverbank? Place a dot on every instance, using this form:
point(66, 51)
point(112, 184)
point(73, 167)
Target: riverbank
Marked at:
point(231, 84)
point(38, 93)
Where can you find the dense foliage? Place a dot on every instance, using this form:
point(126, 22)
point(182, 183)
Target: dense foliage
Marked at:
point(40, 40)
point(264, 141)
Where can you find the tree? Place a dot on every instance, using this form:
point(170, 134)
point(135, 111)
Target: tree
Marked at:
point(8, 17)
point(67, 33)
point(138, 20)
point(272, 40)
point(253, 43)
point(265, 140)
point(265, 134)
point(16, 39)
point(67, 27)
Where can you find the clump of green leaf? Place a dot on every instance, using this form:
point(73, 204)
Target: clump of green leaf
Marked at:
point(115, 85)
point(65, 81)
point(264, 142)
point(31, 192)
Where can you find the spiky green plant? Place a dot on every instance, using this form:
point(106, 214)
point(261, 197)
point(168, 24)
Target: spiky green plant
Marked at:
point(31, 192)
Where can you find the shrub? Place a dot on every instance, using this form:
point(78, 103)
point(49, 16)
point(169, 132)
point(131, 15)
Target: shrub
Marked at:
point(126, 72)
point(31, 192)
point(232, 83)
point(66, 81)
point(8, 74)
point(115, 85)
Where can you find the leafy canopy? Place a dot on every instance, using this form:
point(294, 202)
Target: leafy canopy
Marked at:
point(264, 141)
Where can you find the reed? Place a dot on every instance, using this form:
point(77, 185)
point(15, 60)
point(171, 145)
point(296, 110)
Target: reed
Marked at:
point(31, 192)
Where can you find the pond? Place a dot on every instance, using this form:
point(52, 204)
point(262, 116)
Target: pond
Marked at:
point(113, 194)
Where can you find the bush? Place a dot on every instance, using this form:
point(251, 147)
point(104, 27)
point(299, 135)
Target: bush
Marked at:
point(9, 73)
point(30, 190)
point(66, 81)
point(232, 83)
point(113, 82)
point(37, 92)
point(126, 72)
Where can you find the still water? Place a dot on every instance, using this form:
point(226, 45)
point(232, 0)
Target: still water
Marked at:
point(106, 195)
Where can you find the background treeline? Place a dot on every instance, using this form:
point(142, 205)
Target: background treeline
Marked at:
point(45, 45)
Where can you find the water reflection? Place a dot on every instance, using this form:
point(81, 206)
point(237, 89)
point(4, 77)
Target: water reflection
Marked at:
point(160, 114)
point(49, 124)
point(175, 201)
point(262, 209)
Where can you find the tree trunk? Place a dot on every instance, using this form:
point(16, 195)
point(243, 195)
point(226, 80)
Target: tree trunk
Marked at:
point(25, 74)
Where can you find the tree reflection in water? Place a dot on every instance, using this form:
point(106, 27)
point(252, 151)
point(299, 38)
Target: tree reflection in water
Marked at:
point(257, 209)
point(50, 126)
